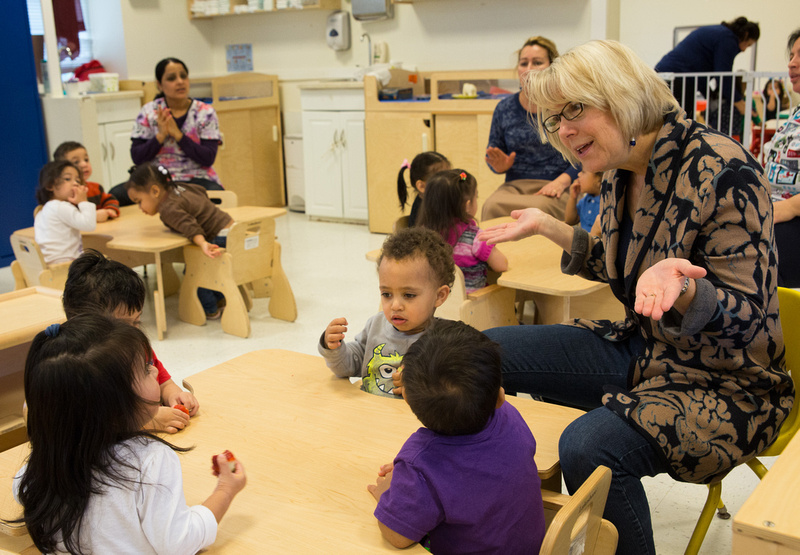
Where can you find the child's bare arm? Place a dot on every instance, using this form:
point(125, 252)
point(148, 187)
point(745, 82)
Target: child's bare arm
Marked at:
point(497, 261)
point(377, 489)
point(172, 394)
point(209, 249)
point(571, 213)
point(168, 420)
point(334, 333)
point(229, 484)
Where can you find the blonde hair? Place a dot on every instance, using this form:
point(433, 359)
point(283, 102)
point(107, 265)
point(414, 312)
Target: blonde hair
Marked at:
point(606, 75)
point(547, 44)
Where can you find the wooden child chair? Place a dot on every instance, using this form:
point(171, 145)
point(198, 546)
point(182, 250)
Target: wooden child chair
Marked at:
point(30, 269)
point(578, 526)
point(249, 266)
point(223, 199)
point(489, 307)
point(789, 301)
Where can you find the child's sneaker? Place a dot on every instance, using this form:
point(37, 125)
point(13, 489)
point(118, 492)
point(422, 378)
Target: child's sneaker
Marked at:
point(216, 315)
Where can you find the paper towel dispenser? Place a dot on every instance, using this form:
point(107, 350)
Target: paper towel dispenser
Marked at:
point(370, 10)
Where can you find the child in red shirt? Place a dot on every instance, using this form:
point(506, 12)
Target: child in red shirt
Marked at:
point(107, 205)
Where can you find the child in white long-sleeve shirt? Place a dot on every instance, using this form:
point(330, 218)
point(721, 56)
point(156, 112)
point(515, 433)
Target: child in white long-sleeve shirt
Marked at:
point(66, 211)
point(95, 482)
point(415, 271)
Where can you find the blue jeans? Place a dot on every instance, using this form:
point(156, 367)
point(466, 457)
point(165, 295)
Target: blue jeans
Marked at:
point(571, 365)
point(600, 437)
point(209, 298)
point(565, 364)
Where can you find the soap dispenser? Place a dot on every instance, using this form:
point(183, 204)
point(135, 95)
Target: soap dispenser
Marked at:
point(337, 31)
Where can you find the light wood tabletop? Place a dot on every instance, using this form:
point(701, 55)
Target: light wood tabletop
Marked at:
point(769, 521)
point(310, 444)
point(534, 266)
point(136, 239)
point(23, 314)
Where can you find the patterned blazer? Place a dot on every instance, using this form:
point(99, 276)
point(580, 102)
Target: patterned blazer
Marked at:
point(709, 390)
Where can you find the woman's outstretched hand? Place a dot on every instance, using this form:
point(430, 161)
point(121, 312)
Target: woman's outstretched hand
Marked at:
point(660, 286)
point(499, 161)
point(527, 222)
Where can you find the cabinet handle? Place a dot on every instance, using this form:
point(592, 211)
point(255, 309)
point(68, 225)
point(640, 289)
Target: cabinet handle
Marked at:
point(275, 133)
point(336, 139)
point(113, 151)
point(105, 151)
point(424, 142)
point(343, 140)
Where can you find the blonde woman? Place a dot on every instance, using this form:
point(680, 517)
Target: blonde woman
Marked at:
point(536, 174)
point(691, 382)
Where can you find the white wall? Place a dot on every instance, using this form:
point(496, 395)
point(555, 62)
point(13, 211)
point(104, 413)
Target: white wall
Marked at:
point(427, 35)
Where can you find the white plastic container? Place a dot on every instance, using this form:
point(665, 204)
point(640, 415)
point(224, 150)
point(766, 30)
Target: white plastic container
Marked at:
point(104, 82)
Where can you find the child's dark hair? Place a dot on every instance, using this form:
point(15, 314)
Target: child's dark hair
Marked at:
point(80, 388)
point(452, 377)
point(445, 200)
point(422, 167)
point(65, 148)
point(416, 241)
point(144, 175)
point(97, 285)
point(161, 67)
point(49, 176)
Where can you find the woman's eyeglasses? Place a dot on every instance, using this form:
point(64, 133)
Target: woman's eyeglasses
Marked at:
point(569, 113)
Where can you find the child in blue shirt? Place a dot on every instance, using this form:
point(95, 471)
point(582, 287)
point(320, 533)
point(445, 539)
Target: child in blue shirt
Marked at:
point(585, 210)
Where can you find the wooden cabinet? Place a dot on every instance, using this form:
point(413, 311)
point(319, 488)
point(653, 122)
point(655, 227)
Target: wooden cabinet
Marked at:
point(334, 156)
point(102, 123)
point(391, 138)
point(456, 128)
point(250, 159)
point(197, 8)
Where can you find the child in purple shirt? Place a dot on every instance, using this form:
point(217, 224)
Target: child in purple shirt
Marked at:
point(449, 207)
point(467, 481)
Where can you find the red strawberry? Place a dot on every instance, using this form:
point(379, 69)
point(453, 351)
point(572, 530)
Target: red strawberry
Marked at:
point(182, 408)
point(231, 460)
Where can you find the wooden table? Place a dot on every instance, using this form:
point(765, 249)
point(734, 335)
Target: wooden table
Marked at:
point(136, 239)
point(534, 266)
point(769, 521)
point(23, 314)
point(310, 444)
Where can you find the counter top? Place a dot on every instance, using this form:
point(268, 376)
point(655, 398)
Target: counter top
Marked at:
point(328, 85)
point(103, 96)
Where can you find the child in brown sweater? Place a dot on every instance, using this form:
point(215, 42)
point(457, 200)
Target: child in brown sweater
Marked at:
point(186, 209)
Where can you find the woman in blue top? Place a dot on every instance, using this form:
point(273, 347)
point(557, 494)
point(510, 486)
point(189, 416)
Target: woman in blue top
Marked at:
point(706, 49)
point(536, 174)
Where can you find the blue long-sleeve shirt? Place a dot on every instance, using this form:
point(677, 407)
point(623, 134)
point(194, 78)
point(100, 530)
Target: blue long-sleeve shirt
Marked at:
point(710, 48)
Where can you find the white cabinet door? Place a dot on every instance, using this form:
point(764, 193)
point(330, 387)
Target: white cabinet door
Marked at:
point(322, 164)
point(117, 148)
point(354, 166)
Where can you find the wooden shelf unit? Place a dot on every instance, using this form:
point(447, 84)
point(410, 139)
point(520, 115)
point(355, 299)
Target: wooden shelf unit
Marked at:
point(318, 5)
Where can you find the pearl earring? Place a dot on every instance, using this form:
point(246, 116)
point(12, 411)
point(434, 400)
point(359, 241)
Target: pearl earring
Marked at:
point(633, 141)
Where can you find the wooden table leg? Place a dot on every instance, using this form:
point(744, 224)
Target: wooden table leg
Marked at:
point(281, 301)
point(158, 299)
point(551, 309)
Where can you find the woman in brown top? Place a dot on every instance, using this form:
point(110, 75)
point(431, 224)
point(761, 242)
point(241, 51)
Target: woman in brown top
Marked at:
point(186, 209)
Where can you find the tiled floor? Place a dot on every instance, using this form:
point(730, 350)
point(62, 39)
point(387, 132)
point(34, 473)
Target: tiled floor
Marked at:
point(330, 277)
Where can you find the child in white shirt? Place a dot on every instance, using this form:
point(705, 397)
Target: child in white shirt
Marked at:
point(95, 482)
point(66, 211)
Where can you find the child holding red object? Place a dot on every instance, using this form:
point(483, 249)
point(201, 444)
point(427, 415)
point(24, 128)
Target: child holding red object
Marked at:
point(95, 481)
point(467, 481)
point(75, 152)
point(98, 285)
